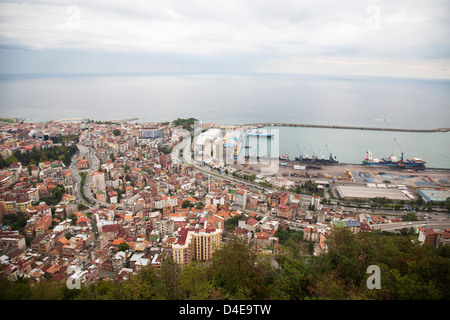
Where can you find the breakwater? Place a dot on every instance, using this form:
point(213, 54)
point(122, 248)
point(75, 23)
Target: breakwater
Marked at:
point(276, 124)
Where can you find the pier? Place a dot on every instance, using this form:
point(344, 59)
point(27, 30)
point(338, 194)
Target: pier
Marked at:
point(343, 127)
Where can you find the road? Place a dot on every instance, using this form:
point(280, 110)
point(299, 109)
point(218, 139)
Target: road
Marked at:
point(93, 165)
point(434, 224)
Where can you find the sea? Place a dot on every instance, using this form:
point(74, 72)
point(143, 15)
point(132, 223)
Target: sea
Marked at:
point(234, 99)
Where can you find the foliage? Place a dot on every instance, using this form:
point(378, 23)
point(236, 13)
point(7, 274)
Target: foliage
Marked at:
point(232, 223)
point(288, 236)
point(56, 195)
point(187, 124)
point(308, 187)
point(17, 221)
point(408, 271)
point(35, 156)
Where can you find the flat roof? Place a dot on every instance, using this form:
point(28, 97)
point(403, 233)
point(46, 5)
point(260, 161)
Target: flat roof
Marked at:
point(368, 193)
point(434, 195)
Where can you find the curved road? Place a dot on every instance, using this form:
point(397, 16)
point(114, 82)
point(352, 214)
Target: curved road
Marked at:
point(93, 164)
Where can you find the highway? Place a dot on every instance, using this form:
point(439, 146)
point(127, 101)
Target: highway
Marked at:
point(397, 226)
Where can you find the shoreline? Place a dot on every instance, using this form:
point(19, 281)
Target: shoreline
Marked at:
point(304, 125)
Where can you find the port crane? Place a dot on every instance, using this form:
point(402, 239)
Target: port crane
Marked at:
point(331, 158)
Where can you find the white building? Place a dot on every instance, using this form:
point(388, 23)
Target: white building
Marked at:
point(98, 181)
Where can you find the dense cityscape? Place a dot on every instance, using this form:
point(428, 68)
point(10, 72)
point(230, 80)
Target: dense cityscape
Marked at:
point(88, 202)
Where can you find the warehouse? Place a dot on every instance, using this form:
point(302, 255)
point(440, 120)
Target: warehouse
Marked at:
point(369, 193)
point(434, 195)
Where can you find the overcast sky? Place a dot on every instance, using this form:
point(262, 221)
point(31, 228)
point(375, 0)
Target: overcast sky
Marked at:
point(382, 38)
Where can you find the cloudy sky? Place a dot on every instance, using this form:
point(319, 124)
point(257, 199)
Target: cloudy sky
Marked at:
point(356, 37)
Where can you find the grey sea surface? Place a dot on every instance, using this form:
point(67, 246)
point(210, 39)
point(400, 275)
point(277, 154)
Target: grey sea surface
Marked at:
point(254, 98)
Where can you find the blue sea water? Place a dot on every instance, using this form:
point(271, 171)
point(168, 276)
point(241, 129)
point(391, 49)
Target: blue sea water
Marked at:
point(250, 98)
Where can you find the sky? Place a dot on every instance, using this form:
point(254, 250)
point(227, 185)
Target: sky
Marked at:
point(399, 38)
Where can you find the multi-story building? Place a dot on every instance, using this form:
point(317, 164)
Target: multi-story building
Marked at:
point(196, 244)
point(150, 133)
point(161, 202)
point(70, 248)
point(98, 181)
point(241, 197)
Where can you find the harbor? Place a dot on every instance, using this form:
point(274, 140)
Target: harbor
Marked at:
point(347, 180)
point(326, 145)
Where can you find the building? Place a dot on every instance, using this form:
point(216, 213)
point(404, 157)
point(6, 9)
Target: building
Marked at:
point(315, 202)
point(150, 133)
point(82, 164)
point(98, 181)
point(241, 198)
point(196, 244)
point(427, 236)
point(354, 226)
point(162, 202)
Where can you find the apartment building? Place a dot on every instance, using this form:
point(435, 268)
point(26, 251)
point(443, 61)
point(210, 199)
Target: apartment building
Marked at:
point(196, 244)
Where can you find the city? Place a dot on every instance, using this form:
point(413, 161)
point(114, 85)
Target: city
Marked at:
point(122, 196)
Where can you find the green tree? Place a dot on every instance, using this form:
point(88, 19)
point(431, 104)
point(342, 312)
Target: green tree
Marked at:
point(11, 160)
point(194, 282)
point(170, 277)
point(123, 246)
point(237, 271)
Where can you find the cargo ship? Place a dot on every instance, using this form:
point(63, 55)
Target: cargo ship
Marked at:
point(392, 161)
point(314, 159)
point(331, 159)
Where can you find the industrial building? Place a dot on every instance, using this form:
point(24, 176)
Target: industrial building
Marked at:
point(369, 193)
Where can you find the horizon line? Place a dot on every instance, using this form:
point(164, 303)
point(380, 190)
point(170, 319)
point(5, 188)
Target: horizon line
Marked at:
point(159, 73)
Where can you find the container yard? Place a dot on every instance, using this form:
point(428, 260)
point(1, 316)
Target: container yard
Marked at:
point(362, 181)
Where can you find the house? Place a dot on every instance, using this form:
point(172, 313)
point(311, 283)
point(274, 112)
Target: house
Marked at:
point(248, 223)
point(82, 164)
point(354, 226)
point(311, 234)
point(427, 236)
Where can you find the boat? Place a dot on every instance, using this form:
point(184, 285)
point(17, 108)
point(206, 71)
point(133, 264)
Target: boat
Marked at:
point(314, 159)
point(285, 156)
point(392, 161)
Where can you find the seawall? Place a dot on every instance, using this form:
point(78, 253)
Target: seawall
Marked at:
point(276, 124)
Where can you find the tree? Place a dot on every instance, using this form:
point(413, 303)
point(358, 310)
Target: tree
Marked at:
point(170, 277)
point(194, 282)
point(11, 160)
point(123, 246)
point(199, 205)
point(237, 271)
point(116, 132)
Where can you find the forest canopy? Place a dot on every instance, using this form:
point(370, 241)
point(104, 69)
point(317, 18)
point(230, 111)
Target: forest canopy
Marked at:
point(408, 272)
